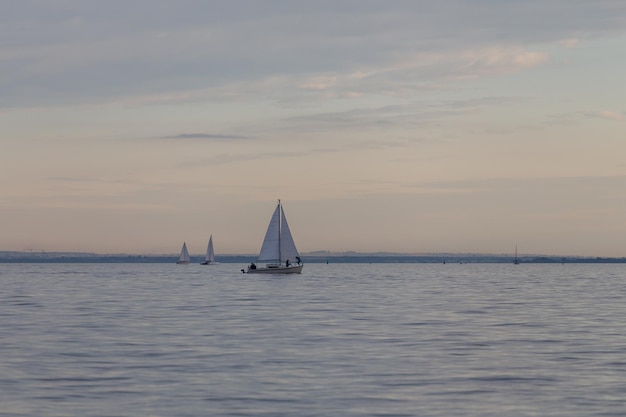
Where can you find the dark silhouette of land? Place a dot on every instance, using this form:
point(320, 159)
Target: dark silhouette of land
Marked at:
point(311, 257)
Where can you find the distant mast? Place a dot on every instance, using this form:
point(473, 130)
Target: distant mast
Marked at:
point(516, 261)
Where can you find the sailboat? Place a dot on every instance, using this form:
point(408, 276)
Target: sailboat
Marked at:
point(184, 255)
point(210, 254)
point(278, 251)
point(516, 261)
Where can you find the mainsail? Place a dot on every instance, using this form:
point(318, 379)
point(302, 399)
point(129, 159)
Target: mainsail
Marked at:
point(278, 245)
point(184, 255)
point(210, 255)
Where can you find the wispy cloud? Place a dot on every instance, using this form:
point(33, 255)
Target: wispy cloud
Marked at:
point(499, 61)
point(210, 136)
point(232, 158)
point(577, 117)
point(512, 184)
point(569, 43)
point(166, 53)
point(609, 115)
point(407, 114)
point(72, 179)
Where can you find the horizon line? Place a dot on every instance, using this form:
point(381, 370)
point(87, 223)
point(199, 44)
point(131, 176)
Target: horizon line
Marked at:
point(317, 253)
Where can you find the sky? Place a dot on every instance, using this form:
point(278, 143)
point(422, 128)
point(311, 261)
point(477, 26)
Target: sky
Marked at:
point(416, 126)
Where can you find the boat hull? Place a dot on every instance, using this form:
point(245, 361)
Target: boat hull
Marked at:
point(208, 263)
point(293, 269)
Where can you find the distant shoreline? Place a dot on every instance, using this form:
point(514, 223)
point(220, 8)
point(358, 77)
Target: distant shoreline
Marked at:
point(350, 257)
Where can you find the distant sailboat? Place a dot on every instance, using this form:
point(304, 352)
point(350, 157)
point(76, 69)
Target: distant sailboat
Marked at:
point(184, 258)
point(516, 261)
point(210, 254)
point(278, 251)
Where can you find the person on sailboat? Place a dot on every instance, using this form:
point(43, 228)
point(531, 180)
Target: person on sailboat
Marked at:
point(287, 263)
point(299, 260)
point(252, 265)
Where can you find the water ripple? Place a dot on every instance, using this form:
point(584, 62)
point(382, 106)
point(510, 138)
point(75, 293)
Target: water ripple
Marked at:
point(345, 340)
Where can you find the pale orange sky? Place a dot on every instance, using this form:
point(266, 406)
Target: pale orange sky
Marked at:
point(429, 126)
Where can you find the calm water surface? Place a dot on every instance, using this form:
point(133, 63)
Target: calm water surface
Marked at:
point(338, 340)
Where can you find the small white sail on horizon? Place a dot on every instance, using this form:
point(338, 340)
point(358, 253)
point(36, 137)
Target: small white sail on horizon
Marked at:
point(209, 259)
point(184, 257)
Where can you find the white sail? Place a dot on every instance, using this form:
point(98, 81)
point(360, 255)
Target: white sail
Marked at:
point(210, 255)
point(184, 255)
point(270, 250)
point(278, 245)
point(287, 245)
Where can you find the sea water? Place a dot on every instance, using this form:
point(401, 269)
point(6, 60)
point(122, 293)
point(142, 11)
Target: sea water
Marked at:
point(338, 340)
